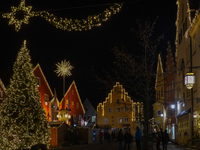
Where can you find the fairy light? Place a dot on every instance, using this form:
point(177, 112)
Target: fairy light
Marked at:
point(59, 22)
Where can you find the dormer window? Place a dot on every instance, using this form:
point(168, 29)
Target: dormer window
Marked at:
point(38, 81)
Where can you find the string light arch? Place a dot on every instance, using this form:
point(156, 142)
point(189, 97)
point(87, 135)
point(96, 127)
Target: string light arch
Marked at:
point(59, 22)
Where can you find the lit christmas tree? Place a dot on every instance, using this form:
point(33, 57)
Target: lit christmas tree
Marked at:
point(23, 122)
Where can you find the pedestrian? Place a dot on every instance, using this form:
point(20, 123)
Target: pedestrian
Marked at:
point(101, 137)
point(161, 132)
point(138, 136)
point(120, 139)
point(127, 138)
point(165, 139)
point(158, 138)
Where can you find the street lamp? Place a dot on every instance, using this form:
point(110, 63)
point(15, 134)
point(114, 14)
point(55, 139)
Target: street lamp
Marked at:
point(189, 80)
point(172, 106)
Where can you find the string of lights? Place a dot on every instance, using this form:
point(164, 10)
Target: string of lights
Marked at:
point(59, 22)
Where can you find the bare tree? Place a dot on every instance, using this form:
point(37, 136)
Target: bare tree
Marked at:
point(136, 69)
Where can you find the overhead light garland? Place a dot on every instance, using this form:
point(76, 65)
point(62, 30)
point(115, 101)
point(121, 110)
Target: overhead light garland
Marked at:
point(59, 22)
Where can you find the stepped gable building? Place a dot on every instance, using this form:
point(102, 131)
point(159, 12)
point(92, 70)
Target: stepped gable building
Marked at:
point(118, 111)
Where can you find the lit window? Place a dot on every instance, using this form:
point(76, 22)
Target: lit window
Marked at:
point(73, 104)
point(105, 120)
point(126, 120)
point(119, 120)
point(38, 81)
point(93, 118)
point(126, 109)
point(67, 102)
point(118, 109)
point(110, 110)
point(77, 105)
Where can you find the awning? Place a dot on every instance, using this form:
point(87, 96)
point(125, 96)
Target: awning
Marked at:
point(184, 112)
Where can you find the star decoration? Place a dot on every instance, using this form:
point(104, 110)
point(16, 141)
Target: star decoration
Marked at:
point(12, 15)
point(64, 68)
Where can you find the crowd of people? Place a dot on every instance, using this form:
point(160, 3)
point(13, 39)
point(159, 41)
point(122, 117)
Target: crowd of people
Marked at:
point(123, 139)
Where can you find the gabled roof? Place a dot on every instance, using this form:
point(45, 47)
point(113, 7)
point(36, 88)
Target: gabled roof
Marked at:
point(73, 83)
point(38, 66)
point(2, 85)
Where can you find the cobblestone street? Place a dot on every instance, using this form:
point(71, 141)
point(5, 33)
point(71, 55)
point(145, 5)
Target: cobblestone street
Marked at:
point(112, 146)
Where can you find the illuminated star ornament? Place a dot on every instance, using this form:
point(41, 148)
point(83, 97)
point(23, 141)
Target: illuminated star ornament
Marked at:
point(64, 68)
point(20, 9)
point(59, 22)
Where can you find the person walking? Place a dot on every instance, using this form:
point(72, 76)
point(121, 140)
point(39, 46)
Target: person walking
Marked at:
point(162, 139)
point(101, 137)
point(158, 138)
point(138, 136)
point(165, 139)
point(120, 139)
point(127, 138)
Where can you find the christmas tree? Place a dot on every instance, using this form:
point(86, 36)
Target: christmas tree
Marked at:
point(23, 122)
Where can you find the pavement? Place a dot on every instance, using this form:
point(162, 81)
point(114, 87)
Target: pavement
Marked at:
point(113, 145)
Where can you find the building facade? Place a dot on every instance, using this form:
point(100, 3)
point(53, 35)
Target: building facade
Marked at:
point(170, 94)
point(45, 91)
point(90, 114)
point(72, 102)
point(118, 111)
point(187, 58)
point(158, 106)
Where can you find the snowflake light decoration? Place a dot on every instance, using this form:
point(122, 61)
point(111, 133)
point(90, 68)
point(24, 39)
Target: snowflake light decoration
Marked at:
point(12, 15)
point(64, 68)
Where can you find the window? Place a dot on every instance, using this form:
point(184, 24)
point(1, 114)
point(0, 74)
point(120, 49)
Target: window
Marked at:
point(72, 92)
point(119, 120)
point(80, 117)
point(93, 118)
point(117, 101)
point(77, 105)
point(86, 108)
point(110, 110)
point(158, 112)
point(72, 103)
point(105, 120)
point(183, 12)
point(74, 116)
point(38, 81)
point(67, 102)
point(46, 97)
point(126, 109)
point(118, 109)
point(161, 92)
point(1, 93)
point(126, 120)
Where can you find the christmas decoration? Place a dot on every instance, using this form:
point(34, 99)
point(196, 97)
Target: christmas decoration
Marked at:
point(59, 22)
point(12, 15)
point(23, 122)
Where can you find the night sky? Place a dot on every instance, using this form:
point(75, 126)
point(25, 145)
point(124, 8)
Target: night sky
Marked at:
point(49, 45)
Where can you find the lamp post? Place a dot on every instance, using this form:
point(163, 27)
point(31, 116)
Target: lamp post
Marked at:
point(64, 69)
